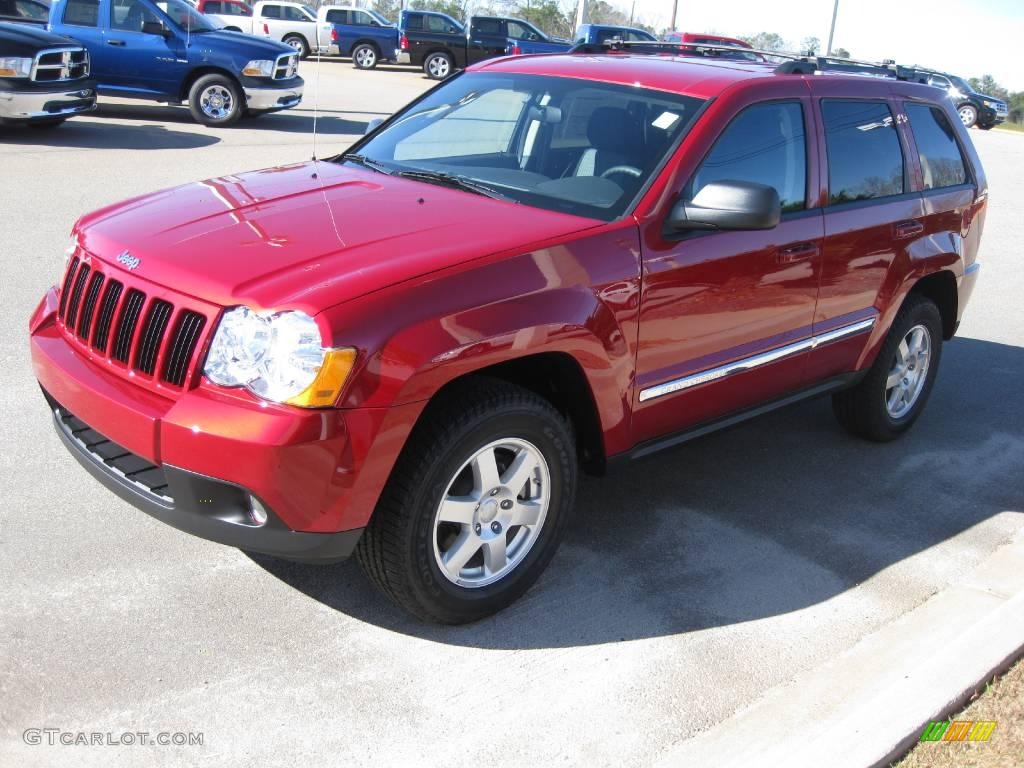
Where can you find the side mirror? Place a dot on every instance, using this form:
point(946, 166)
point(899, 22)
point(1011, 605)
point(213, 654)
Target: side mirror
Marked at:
point(728, 205)
point(155, 28)
point(373, 125)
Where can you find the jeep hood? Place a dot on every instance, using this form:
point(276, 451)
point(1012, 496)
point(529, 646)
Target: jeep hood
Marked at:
point(308, 236)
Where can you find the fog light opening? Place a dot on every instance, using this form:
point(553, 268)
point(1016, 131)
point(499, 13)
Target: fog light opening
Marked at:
point(257, 511)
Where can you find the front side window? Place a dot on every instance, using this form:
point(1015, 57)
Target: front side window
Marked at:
point(562, 144)
point(294, 14)
point(237, 9)
point(129, 15)
point(519, 31)
point(443, 25)
point(865, 159)
point(942, 163)
point(82, 13)
point(35, 11)
point(362, 19)
point(765, 144)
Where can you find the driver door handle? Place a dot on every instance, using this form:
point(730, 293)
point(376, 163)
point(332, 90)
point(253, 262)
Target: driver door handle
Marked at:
point(798, 252)
point(116, 42)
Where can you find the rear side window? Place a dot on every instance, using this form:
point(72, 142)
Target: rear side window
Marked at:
point(213, 6)
point(414, 21)
point(487, 27)
point(271, 12)
point(865, 159)
point(942, 164)
point(337, 17)
point(82, 13)
point(766, 144)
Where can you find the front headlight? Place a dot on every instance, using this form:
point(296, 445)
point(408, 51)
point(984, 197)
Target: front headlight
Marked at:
point(259, 68)
point(15, 67)
point(279, 357)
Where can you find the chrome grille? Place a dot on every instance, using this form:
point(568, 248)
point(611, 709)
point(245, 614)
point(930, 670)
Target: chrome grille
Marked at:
point(136, 332)
point(287, 66)
point(59, 64)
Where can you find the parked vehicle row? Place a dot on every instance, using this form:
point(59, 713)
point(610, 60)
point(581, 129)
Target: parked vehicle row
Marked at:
point(44, 78)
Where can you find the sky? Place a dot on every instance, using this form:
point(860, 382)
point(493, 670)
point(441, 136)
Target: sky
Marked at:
point(969, 38)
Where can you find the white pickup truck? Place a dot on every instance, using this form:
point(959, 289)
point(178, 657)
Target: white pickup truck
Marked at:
point(292, 23)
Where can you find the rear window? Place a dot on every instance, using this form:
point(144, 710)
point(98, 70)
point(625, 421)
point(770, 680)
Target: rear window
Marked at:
point(82, 13)
point(865, 159)
point(942, 164)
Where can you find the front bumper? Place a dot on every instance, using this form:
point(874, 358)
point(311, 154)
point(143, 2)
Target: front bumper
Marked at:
point(207, 452)
point(402, 57)
point(47, 104)
point(273, 99)
point(200, 505)
point(992, 116)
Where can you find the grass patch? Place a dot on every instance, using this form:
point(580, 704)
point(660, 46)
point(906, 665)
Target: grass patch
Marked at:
point(1016, 127)
point(1002, 701)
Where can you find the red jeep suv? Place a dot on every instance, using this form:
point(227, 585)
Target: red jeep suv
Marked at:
point(408, 351)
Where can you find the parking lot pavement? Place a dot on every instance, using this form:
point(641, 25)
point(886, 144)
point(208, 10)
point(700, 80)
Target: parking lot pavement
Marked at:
point(690, 585)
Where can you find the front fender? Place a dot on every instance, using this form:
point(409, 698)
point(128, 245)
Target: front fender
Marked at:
point(579, 298)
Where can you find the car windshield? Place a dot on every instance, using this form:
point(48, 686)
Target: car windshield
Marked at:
point(185, 16)
point(564, 144)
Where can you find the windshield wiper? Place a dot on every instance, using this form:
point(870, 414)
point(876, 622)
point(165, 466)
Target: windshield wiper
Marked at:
point(366, 162)
point(457, 182)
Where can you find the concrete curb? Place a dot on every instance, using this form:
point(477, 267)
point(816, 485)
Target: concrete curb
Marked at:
point(870, 704)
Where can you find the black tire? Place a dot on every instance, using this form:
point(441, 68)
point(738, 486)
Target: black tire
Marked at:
point(862, 410)
point(968, 114)
point(438, 66)
point(397, 549)
point(47, 124)
point(365, 56)
point(298, 42)
point(988, 127)
point(206, 114)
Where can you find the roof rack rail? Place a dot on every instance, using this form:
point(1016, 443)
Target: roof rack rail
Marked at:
point(794, 64)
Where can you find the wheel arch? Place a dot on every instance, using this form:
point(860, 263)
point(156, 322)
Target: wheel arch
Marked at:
point(941, 288)
point(202, 71)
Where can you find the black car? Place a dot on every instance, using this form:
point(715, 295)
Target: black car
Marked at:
point(974, 108)
point(44, 78)
point(25, 12)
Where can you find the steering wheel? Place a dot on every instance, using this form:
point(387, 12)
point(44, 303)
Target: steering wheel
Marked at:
point(629, 170)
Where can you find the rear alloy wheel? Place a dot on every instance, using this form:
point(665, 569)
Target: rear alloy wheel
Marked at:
point(893, 393)
point(298, 42)
point(476, 504)
point(216, 100)
point(438, 66)
point(364, 56)
point(968, 115)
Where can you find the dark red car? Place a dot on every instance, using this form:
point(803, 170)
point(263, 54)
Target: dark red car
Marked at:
point(545, 263)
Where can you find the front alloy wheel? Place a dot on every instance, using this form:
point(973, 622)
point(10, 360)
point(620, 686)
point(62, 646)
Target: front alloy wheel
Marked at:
point(492, 513)
point(968, 115)
point(476, 503)
point(216, 100)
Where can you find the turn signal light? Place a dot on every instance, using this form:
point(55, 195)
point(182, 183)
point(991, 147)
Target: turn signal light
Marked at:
point(326, 387)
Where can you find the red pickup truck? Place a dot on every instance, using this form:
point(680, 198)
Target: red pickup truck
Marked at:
point(546, 264)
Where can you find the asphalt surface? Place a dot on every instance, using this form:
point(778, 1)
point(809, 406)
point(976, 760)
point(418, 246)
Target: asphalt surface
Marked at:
point(690, 584)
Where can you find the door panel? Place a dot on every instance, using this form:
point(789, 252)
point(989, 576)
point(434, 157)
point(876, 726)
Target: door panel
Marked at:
point(870, 222)
point(726, 317)
point(487, 38)
point(718, 299)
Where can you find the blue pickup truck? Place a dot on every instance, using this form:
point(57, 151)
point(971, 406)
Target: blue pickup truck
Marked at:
point(361, 33)
point(166, 51)
point(598, 34)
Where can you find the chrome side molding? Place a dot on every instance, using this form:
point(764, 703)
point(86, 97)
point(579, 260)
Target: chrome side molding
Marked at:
point(749, 363)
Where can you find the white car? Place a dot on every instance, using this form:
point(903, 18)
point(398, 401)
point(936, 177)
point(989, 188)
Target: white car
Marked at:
point(291, 23)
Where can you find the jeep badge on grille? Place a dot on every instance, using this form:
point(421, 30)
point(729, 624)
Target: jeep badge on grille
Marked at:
point(128, 261)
